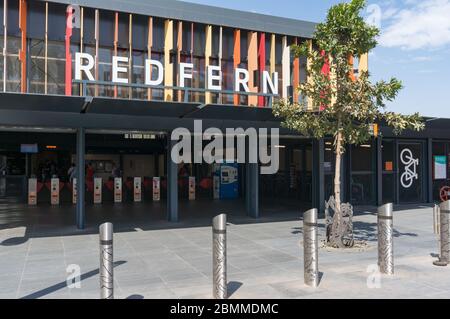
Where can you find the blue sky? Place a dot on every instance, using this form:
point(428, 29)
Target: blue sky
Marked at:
point(414, 44)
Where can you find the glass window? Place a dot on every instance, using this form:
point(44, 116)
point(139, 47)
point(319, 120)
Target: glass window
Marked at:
point(362, 178)
point(56, 67)
point(37, 68)
point(13, 67)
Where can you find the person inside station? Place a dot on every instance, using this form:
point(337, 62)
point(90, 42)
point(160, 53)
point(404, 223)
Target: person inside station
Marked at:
point(72, 172)
point(90, 172)
point(115, 171)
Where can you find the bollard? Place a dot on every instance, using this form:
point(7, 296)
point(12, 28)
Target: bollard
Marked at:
point(444, 209)
point(436, 219)
point(106, 261)
point(310, 247)
point(386, 239)
point(220, 257)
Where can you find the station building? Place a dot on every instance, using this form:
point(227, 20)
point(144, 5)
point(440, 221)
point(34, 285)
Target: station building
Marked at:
point(115, 123)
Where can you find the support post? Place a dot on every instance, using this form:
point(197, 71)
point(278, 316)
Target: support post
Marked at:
point(310, 248)
point(81, 186)
point(379, 163)
point(106, 261)
point(430, 170)
point(253, 191)
point(220, 256)
point(386, 239)
point(318, 175)
point(444, 254)
point(172, 184)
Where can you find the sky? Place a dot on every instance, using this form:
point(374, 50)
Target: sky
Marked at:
point(414, 45)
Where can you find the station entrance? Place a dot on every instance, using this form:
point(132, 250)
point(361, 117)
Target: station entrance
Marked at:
point(126, 176)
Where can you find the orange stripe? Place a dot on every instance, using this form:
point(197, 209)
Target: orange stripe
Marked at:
point(237, 57)
point(23, 49)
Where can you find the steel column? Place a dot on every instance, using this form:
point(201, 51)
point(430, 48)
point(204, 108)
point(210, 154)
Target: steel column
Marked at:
point(379, 170)
point(253, 192)
point(81, 186)
point(430, 170)
point(318, 175)
point(172, 184)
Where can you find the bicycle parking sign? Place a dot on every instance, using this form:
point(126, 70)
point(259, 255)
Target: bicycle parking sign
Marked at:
point(410, 163)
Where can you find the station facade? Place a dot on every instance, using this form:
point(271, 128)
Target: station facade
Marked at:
point(154, 66)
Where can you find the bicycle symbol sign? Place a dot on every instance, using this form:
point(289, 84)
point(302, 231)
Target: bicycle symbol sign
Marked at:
point(410, 173)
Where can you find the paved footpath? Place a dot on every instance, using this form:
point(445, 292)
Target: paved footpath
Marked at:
point(265, 261)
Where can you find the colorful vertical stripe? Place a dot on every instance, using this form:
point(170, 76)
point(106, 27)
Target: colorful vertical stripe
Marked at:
point(261, 65)
point(23, 49)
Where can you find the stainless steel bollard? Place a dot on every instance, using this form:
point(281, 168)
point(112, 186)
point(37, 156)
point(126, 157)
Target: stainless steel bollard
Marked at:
point(220, 256)
point(310, 248)
point(444, 234)
point(386, 239)
point(106, 261)
point(436, 218)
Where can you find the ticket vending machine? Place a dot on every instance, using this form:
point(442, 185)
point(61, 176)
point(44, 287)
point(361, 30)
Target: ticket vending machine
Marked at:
point(226, 181)
point(97, 190)
point(118, 190)
point(137, 189)
point(32, 191)
point(156, 189)
point(54, 191)
point(74, 191)
point(191, 187)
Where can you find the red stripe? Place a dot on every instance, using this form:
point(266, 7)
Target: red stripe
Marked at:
point(262, 65)
point(69, 29)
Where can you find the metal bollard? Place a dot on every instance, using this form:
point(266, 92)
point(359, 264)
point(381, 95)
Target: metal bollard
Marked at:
point(106, 261)
point(444, 209)
point(220, 256)
point(310, 248)
point(386, 239)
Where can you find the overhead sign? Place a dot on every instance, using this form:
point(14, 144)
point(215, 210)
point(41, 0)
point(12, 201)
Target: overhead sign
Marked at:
point(32, 191)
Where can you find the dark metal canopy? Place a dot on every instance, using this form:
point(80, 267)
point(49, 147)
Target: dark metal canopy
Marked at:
point(180, 10)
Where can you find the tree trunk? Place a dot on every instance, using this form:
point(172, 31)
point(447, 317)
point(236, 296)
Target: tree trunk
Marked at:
point(337, 231)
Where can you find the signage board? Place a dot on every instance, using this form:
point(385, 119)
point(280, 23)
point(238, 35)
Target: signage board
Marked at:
point(440, 167)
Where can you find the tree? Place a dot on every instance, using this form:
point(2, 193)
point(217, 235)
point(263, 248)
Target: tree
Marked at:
point(334, 101)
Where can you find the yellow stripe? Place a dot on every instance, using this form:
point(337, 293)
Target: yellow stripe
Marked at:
point(208, 53)
point(168, 66)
